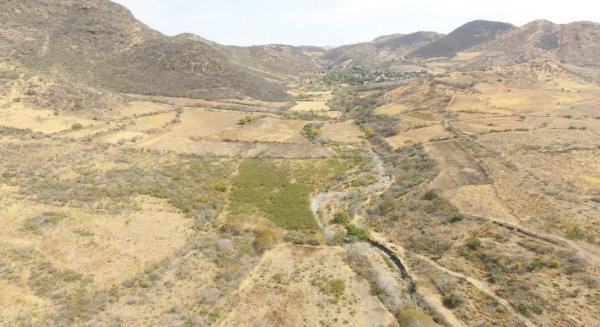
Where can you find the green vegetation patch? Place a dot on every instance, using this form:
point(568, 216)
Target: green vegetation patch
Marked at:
point(280, 190)
point(312, 131)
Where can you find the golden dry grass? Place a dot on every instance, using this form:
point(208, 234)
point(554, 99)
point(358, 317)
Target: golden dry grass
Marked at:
point(43, 121)
point(282, 291)
point(266, 130)
point(420, 135)
point(342, 133)
point(392, 109)
point(319, 107)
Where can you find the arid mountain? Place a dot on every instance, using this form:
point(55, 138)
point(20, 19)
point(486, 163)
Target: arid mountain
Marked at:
point(576, 46)
point(277, 58)
point(101, 43)
point(382, 49)
point(462, 38)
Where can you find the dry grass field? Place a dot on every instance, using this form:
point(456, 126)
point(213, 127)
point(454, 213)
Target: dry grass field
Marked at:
point(308, 286)
point(319, 107)
point(43, 121)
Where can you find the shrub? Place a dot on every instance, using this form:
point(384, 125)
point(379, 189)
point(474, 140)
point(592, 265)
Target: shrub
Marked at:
point(453, 301)
point(247, 119)
point(312, 131)
point(357, 233)
point(474, 244)
point(265, 239)
point(341, 218)
point(457, 217)
point(529, 308)
point(430, 195)
point(76, 126)
point(413, 317)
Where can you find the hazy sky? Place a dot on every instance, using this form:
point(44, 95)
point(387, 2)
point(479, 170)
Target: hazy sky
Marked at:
point(336, 22)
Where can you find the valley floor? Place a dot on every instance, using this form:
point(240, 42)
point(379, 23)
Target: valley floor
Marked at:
point(465, 199)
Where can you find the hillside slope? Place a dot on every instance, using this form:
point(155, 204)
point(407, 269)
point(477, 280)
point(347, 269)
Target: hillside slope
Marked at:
point(576, 46)
point(101, 43)
point(277, 58)
point(382, 49)
point(466, 36)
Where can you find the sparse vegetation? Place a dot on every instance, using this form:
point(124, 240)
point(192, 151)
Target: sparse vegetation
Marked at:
point(43, 221)
point(453, 300)
point(341, 218)
point(458, 217)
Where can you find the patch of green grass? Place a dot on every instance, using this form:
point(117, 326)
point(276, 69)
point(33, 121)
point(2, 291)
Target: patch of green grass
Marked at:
point(280, 190)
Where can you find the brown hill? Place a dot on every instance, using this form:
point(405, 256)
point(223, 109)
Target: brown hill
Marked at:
point(101, 43)
point(277, 58)
point(466, 36)
point(576, 46)
point(380, 50)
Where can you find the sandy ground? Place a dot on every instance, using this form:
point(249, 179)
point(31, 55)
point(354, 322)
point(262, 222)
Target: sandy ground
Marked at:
point(282, 291)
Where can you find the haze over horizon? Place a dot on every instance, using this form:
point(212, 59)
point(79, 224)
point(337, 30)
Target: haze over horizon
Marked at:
point(243, 23)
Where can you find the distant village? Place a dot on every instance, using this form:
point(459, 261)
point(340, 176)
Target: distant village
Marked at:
point(361, 75)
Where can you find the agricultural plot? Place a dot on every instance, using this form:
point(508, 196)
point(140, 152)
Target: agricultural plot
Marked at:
point(342, 133)
point(221, 133)
point(392, 109)
point(264, 130)
point(317, 107)
point(280, 190)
